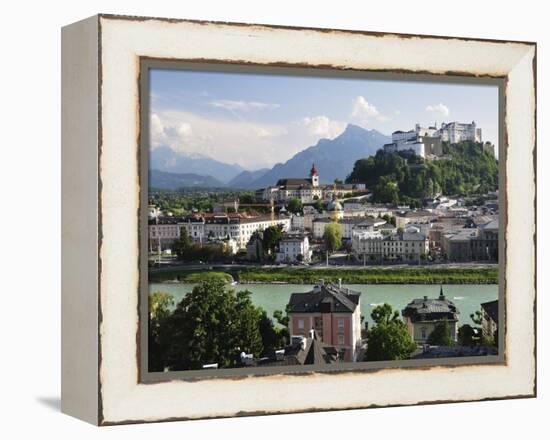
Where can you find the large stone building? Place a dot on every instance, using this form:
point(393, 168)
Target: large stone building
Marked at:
point(489, 318)
point(163, 231)
point(472, 244)
point(372, 246)
point(427, 141)
point(423, 314)
point(347, 225)
point(454, 132)
point(333, 313)
point(402, 219)
point(307, 190)
point(293, 248)
point(212, 226)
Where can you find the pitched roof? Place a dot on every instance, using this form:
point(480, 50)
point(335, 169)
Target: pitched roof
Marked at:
point(324, 298)
point(314, 352)
point(294, 182)
point(419, 213)
point(491, 308)
point(492, 225)
point(165, 220)
point(428, 309)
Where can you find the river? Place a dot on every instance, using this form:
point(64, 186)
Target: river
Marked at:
point(271, 297)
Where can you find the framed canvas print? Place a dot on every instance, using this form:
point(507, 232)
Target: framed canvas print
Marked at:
point(262, 219)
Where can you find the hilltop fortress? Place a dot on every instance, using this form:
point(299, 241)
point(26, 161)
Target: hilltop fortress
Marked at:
point(427, 141)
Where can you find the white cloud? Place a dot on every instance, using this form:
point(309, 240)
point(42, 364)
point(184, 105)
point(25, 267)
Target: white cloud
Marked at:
point(156, 131)
point(230, 105)
point(438, 109)
point(247, 143)
point(363, 109)
point(184, 129)
point(323, 127)
point(263, 132)
point(250, 144)
point(162, 133)
point(365, 113)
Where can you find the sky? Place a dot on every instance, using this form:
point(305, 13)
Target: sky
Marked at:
point(257, 120)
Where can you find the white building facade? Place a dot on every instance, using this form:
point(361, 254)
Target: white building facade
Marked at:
point(201, 228)
point(426, 141)
point(411, 245)
point(307, 190)
point(294, 248)
point(455, 132)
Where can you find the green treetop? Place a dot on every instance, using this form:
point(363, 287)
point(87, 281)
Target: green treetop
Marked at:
point(332, 236)
point(271, 237)
point(388, 339)
point(403, 177)
point(441, 334)
point(213, 324)
point(295, 206)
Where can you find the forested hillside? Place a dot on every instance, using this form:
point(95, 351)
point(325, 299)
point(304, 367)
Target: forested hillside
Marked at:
point(405, 178)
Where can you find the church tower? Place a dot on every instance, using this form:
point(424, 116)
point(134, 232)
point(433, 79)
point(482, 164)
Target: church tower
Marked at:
point(314, 176)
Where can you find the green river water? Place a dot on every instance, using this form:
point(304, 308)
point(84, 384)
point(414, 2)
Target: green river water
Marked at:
point(271, 297)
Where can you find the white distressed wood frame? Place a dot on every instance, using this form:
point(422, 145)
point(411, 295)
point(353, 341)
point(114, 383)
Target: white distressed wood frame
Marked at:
point(101, 59)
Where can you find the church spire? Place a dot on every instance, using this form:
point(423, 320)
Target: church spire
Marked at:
point(313, 171)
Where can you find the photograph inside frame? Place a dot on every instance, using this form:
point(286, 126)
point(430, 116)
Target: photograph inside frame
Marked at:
point(314, 220)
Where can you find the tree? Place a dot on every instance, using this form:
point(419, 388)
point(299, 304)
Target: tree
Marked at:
point(182, 246)
point(247, 198)
point(441, 334)
point(477, 317)
point(332, 236)
point(384, 314)
point(338, 181)
point(295, 206)
point(160, 304)
point(389, 339)
point(273, 338)
point(466, 335)
point(212, 324)
point(318, 205)
point(271, 237)
point(281, 318)
point(407, 178)
point(248, 316)
point(390, 219)
point(386, 191)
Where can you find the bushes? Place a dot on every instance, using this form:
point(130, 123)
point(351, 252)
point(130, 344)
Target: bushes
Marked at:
point(370, 276)
point(300, 275)
point(190, 276)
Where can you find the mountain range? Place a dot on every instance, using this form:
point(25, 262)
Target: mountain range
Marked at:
point(165, 159)
point(333, 158)
point(163, 180)
point(246, 179)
